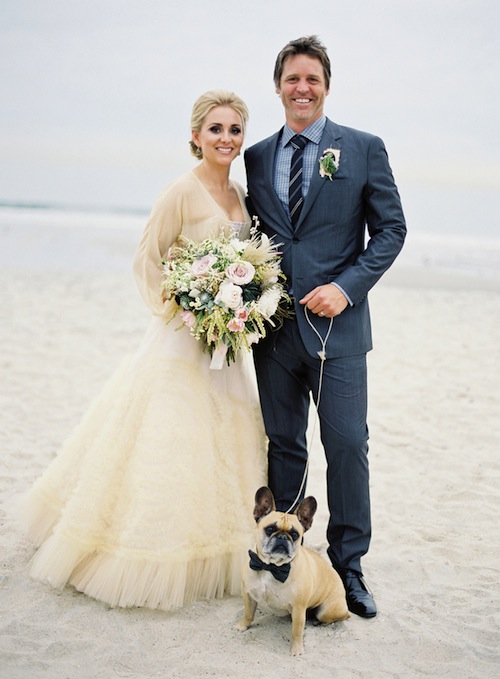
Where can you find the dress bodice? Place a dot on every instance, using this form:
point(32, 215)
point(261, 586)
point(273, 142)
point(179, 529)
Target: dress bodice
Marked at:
point(240, 229)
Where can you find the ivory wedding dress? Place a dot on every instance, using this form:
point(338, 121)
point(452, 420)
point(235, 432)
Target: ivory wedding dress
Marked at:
point(149, 502)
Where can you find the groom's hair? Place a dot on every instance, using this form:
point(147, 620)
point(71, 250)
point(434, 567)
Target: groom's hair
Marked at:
point(310, 45)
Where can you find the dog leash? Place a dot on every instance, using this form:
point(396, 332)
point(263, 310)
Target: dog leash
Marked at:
point(322, 355)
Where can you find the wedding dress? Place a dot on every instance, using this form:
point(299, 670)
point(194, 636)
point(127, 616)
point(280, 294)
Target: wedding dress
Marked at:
point(149, 502)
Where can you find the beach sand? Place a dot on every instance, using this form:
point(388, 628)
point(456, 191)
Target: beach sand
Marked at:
point(434, 439)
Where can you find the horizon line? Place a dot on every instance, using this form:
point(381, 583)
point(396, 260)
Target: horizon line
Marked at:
point(73, 207)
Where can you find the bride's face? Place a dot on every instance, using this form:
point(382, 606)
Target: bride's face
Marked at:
point(221, 135)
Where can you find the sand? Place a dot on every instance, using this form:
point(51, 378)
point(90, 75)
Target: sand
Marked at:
point(434, 424)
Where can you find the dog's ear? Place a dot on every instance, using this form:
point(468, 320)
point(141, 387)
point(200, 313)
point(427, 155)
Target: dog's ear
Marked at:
point(264, 503)
point(306, 511)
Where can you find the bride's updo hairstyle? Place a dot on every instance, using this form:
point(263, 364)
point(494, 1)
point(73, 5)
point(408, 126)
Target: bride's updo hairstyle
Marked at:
point(204, 104)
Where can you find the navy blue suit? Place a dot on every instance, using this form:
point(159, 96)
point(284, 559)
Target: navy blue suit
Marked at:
point(350, 230)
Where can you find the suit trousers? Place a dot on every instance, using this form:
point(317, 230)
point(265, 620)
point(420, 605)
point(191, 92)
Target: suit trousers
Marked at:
point(287, 376)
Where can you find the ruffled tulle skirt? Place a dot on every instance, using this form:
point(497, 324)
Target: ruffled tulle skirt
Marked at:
point(149, 502)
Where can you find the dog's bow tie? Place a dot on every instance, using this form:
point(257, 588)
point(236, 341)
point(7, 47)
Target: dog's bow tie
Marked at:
point(279, 572)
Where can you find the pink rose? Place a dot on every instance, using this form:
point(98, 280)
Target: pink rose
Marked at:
point(241, 313)
point(201, 266)
point(240, 273)
point(188, 318)
point(236, 325)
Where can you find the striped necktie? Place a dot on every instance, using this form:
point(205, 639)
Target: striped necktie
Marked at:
point(295, 198)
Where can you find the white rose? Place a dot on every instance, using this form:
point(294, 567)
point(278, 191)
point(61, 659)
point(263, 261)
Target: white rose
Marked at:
point(229, 295)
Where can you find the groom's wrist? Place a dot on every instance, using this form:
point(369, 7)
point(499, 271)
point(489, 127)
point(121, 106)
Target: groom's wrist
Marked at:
point(343, 292)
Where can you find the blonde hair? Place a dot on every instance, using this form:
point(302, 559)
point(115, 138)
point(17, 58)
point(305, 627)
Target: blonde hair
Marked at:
point(204, 104)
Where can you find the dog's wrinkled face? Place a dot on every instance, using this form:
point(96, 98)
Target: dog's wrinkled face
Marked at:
point(279, 534)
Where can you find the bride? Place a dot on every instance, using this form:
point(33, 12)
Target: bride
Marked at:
point(149, 502)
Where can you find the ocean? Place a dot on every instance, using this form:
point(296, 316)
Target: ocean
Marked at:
point(40, 238)
point(447, 232)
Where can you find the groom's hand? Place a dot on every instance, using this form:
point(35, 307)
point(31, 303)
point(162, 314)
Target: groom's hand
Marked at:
point(325, 300)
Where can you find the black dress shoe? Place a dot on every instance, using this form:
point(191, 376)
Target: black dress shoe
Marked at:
point(359, 598)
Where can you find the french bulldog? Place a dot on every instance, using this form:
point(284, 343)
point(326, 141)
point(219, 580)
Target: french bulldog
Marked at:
point(285, 575)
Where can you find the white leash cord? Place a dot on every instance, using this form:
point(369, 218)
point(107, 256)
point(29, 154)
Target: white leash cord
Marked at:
point(322, 355)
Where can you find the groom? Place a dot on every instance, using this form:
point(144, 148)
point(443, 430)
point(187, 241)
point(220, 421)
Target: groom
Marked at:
point(327, 195)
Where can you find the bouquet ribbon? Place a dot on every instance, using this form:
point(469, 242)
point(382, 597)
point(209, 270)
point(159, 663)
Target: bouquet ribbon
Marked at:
point(218, 357)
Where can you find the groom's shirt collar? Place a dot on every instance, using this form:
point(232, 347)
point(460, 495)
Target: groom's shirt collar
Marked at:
point(312, 133)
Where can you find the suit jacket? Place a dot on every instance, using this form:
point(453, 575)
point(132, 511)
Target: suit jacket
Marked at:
point(350, 230)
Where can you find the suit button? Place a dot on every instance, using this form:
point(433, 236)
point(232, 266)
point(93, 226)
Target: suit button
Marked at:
point(295, 239)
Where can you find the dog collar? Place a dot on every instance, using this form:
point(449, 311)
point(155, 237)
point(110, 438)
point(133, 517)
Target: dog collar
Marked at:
point(281, 573)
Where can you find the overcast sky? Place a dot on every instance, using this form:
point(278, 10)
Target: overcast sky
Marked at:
point(96, 95)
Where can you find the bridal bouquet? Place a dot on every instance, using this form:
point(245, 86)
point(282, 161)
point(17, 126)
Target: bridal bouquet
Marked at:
point(227, 291)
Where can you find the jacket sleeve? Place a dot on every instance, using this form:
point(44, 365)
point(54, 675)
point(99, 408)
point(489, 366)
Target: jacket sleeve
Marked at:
point(385, 223)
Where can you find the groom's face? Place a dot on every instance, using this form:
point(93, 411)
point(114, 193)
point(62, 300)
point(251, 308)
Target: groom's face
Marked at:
point(302, 90)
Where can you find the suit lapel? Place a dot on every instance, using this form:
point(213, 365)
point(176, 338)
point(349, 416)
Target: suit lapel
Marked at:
point(330, 138)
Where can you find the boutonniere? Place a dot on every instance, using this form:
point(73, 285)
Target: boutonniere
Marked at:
point(329, 163)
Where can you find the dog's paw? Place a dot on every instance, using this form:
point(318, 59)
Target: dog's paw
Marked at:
point(297, 648)
point(242, 625)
